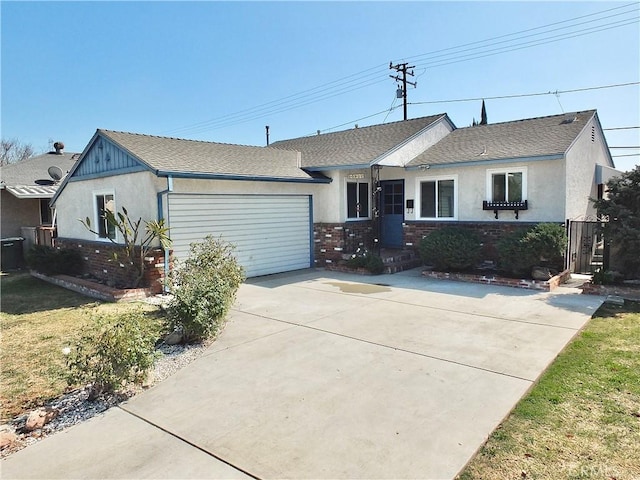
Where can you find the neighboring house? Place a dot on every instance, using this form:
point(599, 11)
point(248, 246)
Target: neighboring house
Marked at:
point(309, 201)
point(26, 187)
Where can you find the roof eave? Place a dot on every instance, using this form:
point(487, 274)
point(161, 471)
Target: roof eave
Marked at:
point(321, 168)
point(249, 178)
point(489, 161)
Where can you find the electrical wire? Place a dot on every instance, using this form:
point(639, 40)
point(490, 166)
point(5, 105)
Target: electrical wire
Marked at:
point(521, 95)
point(621, 128)
point(374, 75)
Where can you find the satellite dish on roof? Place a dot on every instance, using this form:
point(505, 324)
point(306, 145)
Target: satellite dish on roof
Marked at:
point(55, 173)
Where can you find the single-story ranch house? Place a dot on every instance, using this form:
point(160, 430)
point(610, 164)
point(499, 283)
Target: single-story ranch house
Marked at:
point(308, 201)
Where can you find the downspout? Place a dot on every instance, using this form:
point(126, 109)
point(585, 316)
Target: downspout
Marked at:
point(169, 189)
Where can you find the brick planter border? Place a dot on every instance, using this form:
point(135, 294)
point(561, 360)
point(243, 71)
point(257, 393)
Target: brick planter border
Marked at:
point(528, 284)
point(97, 290)
point(628, 293)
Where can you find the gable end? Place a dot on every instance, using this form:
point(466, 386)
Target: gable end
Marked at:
point(104, 158)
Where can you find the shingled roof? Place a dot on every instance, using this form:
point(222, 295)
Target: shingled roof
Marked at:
point(356, 146)
point(529, 138)
point(20, 178)
point(168, 155)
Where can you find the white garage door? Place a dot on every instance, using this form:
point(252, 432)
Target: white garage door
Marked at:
point(272, 233)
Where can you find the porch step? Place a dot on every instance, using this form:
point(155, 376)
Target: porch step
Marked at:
point(399, 260)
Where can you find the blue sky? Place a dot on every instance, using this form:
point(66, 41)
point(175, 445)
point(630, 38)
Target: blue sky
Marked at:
point(222, 71)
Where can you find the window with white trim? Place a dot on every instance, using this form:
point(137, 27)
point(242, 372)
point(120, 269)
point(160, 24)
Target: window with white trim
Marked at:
point(104, 202)
point(357, 200)
point(507, 185)
point(438, 198)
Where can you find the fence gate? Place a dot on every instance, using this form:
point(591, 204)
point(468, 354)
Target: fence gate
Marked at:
point(585, 249)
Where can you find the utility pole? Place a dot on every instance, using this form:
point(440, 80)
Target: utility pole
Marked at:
point(403, 68)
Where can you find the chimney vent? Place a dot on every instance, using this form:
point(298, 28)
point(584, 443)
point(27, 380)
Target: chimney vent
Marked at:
point(59, 146)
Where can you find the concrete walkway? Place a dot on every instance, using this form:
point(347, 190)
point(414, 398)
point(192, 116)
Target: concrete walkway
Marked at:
point(324, 375)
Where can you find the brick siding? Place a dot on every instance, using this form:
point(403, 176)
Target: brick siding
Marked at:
point(98, 263)
point(332, 241)
point(490, 233)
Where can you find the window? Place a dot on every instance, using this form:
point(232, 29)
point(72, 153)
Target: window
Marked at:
point(438, 198)
point(105, 202)
point(357, 200)
point(45, 212)
point(507, 185)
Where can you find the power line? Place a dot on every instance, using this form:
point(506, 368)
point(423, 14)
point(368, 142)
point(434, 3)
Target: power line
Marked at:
point(350, 122)
point(636, 146)
point(520, 95)
point(373, 75)
point(627, 155)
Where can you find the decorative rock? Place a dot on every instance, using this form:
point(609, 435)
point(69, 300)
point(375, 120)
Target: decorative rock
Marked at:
point(40, 417)
point(174, 338)
point(7, 437)
point(540, 273)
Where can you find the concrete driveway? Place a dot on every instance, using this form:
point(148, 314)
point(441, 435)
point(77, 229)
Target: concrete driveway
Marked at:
point(325, 375)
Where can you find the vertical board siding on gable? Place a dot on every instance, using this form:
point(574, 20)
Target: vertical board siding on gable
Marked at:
point(108, 159)
point(271, 232)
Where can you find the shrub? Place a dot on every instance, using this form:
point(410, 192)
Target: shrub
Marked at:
point(542, 245)
point(118, 351)
point(547, 242)
point(450, 249)
point(51, 261)
point(514, 258)
point(363, 258)
point(204, 289)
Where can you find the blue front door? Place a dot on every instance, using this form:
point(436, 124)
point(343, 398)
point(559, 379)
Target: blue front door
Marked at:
point(392, 208)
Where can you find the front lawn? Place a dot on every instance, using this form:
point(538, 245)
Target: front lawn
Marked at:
point(582, 420)
point(38, 320)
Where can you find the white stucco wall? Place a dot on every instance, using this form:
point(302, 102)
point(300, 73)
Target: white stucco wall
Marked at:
point(545, 190)
point(587, 151)
point(419, 144)
point(136, 192)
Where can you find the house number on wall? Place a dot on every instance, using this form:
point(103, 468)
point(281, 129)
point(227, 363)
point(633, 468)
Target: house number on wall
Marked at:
point(353, 176)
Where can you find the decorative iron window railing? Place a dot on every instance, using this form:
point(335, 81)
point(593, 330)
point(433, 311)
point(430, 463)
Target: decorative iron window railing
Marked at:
point(497, 206)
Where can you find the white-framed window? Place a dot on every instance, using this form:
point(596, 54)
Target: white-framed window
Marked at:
point(507, 185)
point(357, 200)
point(101, 202)
point(45, 212)
point(437, 198)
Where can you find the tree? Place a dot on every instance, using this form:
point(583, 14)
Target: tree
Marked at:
point(622, 230)
point(13, 150)
point(483, 115)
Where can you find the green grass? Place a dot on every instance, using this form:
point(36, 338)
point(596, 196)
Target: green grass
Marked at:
point(582, 419)
point(37, 320)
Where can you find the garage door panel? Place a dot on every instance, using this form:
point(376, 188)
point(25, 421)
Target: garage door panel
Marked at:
point(271, 233)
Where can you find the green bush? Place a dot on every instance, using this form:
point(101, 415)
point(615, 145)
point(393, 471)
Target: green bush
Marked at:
point(204, 289)
point(451, 249)
point(51, 261)
point(363, 258)
point(120, 350)
point(542, 245)
point(548, 242)
point(514, 258)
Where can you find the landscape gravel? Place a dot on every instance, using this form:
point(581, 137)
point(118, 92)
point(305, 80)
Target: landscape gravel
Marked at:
point(74, 407)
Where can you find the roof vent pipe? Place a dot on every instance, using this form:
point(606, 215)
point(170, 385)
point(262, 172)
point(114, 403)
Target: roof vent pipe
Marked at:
point(59, 146)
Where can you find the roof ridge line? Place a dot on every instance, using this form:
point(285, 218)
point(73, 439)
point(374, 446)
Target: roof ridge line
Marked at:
point(177, 138)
